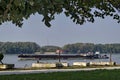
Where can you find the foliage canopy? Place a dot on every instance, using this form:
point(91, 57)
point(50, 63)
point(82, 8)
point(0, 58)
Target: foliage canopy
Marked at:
point(79, 11)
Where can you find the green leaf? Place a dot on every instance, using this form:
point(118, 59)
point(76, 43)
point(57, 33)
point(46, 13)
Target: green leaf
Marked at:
point(17, 2)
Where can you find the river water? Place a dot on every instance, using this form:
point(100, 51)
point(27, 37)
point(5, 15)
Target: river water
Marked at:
point(13, 59)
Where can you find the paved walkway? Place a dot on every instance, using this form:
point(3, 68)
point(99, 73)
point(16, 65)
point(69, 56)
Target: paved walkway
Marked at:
point(51, 70)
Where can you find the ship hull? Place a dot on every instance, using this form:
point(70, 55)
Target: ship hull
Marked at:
point(56, 56)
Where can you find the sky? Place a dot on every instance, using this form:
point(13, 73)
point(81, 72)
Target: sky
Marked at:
point(63, 31)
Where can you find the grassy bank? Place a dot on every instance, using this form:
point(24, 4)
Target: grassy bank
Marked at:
point(80, 75)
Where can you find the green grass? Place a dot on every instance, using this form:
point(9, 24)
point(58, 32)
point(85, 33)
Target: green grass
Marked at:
point(79, 75)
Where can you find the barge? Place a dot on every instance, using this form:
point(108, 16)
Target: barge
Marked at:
point(60, 56)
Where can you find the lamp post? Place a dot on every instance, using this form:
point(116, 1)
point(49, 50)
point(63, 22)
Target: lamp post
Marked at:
point(110, 53)
point(59, 56)
point(59, 52)
point(110, 57)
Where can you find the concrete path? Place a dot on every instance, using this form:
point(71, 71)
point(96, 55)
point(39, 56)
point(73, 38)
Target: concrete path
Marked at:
point(51, 70)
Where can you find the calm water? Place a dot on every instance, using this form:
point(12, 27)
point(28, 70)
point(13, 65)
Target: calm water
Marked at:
point(13, 59)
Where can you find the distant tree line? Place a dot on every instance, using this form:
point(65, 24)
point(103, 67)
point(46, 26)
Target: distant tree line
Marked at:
point(49, 48)
point(90, 47)
point(25, 48)
point(18, 47)
point(32, 47)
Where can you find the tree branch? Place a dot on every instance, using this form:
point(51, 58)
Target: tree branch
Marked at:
point(7, 9)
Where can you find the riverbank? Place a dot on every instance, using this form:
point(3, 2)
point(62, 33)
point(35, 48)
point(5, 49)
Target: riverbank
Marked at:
point(65, 74)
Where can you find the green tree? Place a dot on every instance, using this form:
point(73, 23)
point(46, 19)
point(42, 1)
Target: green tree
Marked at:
point(79, 11)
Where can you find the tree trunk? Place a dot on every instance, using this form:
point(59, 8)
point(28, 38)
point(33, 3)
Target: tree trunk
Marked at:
point(1, 62)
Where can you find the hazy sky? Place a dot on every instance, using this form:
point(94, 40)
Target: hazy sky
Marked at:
point(63, 31)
